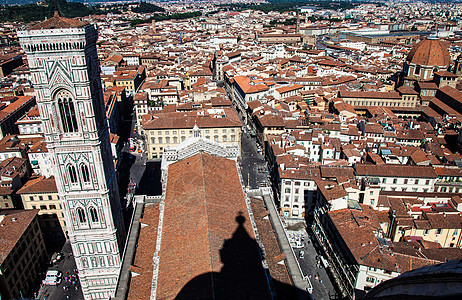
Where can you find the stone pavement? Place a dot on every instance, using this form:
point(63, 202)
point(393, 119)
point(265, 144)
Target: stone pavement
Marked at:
point(313, 269)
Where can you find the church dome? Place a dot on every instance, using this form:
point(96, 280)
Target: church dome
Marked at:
point(429, 52)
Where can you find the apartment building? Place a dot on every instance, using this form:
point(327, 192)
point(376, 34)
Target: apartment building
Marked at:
point(39, 159)
point(13, 172)
point(41, 193)
point(432, 217)
point(249, 88)
point(298, 189)
point(163, 130)
point(398, 177)
point(22, 254)
point(403, 97)
point(30, 123)
point(359, 255)
point(11, 110)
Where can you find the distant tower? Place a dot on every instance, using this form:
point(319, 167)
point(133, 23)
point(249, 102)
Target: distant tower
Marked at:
point(458, 65)
point(65, 72)
point(154, 26)
point(297, 27)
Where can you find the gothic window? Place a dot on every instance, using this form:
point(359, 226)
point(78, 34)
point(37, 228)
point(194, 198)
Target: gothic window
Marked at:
point(67, 111)
point(81, 214)
point(85, 173)
point(72, 173)
point(93, 214)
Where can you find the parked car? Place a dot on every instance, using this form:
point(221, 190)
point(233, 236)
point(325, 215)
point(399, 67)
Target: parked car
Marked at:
point(53, 277)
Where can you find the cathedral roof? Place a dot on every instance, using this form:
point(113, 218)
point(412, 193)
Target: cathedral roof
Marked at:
point(429, 52)
point(58, 21)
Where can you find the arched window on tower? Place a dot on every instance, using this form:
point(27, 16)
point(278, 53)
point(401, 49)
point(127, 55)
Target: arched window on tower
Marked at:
point(93, 214)
point(72, 173)
point(81, 214)
point(67, 111)
point(85, 173)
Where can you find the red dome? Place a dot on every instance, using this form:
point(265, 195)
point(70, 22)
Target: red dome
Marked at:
point(429, 52)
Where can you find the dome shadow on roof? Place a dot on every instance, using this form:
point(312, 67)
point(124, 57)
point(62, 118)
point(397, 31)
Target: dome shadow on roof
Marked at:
point(429, 52)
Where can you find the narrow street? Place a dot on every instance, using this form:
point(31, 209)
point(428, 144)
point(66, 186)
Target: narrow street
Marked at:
point(312, 267)
point(253, 165)
point(69, 287)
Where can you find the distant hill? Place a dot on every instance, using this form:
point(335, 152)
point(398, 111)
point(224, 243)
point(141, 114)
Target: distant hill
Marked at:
point(70, 9)
point(22, 2)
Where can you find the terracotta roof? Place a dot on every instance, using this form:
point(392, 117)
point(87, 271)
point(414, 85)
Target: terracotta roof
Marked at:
point(407, 90)
point(204, 253)
point(454, 172)
point(334, 172)
point(429, 52)
point(58, 22)
point(140, 285)
point(388, 170)
point(12, 227)
point(273, 254)
point(39, 185)
point(248, 86)
point(180, 120)
point(369, 95)
point(445, 73)
point(365, 246)
point(271, 120)
point(444, 221)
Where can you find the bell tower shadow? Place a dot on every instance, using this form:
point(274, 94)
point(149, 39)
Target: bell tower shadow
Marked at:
point(242, 275)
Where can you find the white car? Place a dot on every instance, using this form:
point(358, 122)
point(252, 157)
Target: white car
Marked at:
point(53, 277)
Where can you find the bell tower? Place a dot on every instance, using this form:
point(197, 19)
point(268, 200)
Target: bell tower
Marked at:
point(65, 72)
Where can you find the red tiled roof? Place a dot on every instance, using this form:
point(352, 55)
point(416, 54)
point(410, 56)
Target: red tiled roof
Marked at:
point(429, 52)
point(39, 185)
point(13, 224)
point(203, 249)
point(388, 170)
point(140, 285)
point(181, 120)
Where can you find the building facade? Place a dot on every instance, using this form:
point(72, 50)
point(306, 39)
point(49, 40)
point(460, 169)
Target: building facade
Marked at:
point(41, 193)
point(167, 130)
point(22, 253)
point(65, 72)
